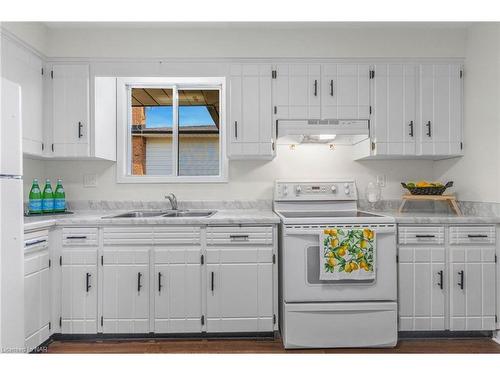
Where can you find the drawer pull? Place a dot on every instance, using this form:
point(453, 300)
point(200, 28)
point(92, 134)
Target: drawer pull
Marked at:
point(425, 236)
point(76, 237)
point(461, 282)
point(440, 283)
point(139, 286)
point(33, 242)
point(88, 286)
point(477, 235)
point(239, 237)
point(159, 282)
point(212, 282)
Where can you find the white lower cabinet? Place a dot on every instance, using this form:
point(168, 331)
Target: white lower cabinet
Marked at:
point(37, 326)
point(472, 289)
point(125, 290)
point(421, 288)
point(177, 290)
point(447, 285)
point(79, 291)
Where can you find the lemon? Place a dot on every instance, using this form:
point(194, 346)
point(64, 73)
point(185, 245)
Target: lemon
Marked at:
point(332, 262)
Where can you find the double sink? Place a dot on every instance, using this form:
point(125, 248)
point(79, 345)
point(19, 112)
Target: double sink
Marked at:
point(165, 213)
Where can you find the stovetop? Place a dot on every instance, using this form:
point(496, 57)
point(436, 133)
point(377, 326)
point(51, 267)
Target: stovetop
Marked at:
point(326, 214)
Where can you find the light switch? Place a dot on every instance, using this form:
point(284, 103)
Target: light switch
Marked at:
point(90, 180)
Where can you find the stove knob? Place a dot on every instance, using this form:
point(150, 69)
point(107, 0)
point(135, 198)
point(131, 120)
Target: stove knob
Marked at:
point(347, 191)
point(298, 189)
point(285, 190)
point(334, 189)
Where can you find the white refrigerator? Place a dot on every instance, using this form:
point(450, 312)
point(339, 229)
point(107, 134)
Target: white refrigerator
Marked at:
point(11, 220)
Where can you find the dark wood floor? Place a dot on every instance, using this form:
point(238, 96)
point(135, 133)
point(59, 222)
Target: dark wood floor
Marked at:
point(258, 346)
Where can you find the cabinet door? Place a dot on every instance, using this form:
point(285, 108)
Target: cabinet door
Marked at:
point(251, 111)
point(239, 297)
point(440, 109)
point(298, 91)
point(177, 298)
point(79, 298)
point(125, 297)
point(421, 289)
point(472, 287)
point(345, 91)
point(70, 110)
point(393, 118)
point(25, 68)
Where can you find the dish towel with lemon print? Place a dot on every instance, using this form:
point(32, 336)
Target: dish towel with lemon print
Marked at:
point(347, 254)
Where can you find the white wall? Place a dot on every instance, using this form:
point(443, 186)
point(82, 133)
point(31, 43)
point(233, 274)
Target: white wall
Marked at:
point(252, 180)
point(477, 174)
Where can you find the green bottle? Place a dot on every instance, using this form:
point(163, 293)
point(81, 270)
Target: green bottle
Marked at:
point(47, 198)
point(35, 198)
point(59, 198)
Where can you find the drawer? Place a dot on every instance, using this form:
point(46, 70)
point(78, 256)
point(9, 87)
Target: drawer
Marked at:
point(128, 235)
point(472, 235)
point(80, 236)
point(35, 241)
point(173, 235)
point(235, 236)
point(420, 235)
point(73, 256)
point(36, 261)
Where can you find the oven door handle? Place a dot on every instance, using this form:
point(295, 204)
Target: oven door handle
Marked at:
point(290, 230)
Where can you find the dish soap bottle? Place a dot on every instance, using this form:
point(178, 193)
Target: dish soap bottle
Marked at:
point(59, 198)
point(47, 198)
point(35, 198)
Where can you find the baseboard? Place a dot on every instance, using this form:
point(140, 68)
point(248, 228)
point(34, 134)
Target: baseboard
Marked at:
point(444, 334)
point(165, 336)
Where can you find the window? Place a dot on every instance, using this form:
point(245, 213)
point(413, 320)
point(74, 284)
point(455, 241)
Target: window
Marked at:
point(171, 130)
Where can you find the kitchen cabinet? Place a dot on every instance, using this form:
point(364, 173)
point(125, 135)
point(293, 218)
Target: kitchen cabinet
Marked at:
point(37, 289)
point(345, 91)
point(394, 111)
point(297, 91)
point(251, 122)
point(459, 273)
point(70, 110)
point(25, 68)
point(416, 112)
point(239, 279)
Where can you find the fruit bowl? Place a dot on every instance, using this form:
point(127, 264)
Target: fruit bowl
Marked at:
point(426, 188)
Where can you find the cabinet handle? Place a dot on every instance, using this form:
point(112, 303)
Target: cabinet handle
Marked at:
point(139, 286)
point(429, 133)
point(315, 87)
point(331, 87)
point(80, 128)
point(76, 237)
point(88, 282)
point(461, 282)
point(159, 282)
point(33, 242)
point(236, 129)
point(440, 283)
point(411, 128)
point(212, 282)
point(425, 236)
point(239, 237)
point(477, 235)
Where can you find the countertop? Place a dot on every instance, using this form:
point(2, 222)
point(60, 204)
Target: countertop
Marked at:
point(437, 218)
point(96, 218)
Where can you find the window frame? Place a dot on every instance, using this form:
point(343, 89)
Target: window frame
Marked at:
point(124, 120)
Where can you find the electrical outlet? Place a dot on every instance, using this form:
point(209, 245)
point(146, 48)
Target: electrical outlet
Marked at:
point(381, 180)
point(90, 180)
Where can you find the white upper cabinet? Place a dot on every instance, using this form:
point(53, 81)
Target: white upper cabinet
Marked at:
point(440, 109)
point(297, 91)
point(251, 123)
point(394, 111)
point(23, 67)
point(70, 110)
point(345, 91)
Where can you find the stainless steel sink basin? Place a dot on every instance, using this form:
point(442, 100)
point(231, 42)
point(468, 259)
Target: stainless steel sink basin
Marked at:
point(168, 213)
point(189, 213)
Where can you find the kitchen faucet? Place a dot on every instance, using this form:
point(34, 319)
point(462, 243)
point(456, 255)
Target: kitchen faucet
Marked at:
point(173, 200)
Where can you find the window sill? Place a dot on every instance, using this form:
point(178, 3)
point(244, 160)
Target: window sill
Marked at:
point(171, 180)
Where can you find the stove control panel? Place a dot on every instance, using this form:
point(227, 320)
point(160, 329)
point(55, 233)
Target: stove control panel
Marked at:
point(308, 191)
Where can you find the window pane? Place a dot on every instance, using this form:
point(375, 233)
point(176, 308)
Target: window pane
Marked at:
point(199, 132)
point(151, 148)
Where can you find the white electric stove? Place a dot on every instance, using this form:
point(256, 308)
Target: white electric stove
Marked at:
point(325, 313)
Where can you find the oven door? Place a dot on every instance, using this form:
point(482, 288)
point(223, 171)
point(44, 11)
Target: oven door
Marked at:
point(300, 257)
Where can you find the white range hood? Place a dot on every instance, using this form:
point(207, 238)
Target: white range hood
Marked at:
point(322, 131)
